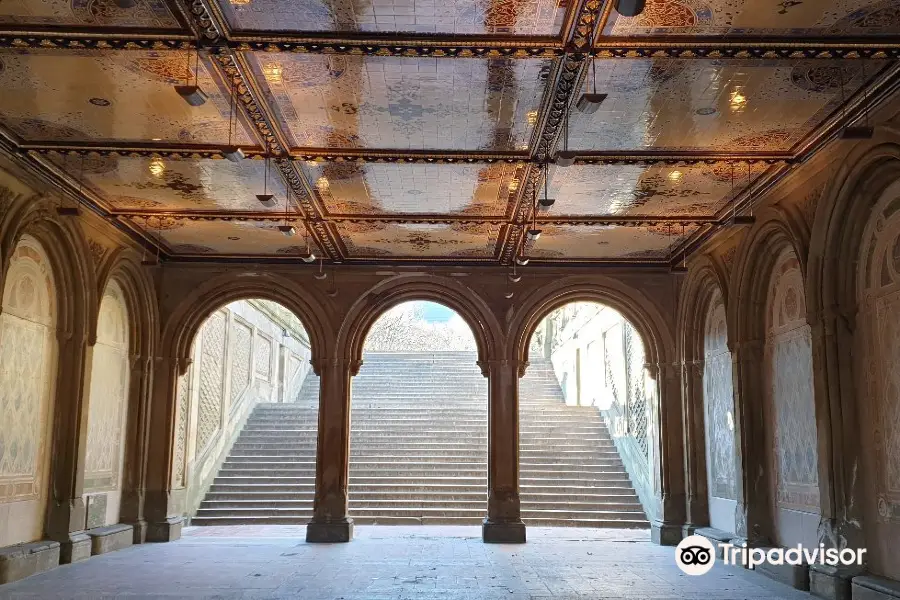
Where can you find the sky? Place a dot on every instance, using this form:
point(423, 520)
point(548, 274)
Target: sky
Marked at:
point(436, 313)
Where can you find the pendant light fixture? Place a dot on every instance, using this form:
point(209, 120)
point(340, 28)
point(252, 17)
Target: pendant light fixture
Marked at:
point(73, 211)
point(680, 268)
point(192, 94)
point(744, 220)
point(231, 152)
point(267, 199)
point(310, 256)
point(546, 203)
point(630, 8)
point(565, 157)
point(287, 229)
point(858, 132)
point(321, 274)
point(589, 103)
point(534, 233)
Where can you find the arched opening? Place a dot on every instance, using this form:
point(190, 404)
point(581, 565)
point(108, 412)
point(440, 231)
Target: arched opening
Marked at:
point(418, 437)
point(104, 463)
point(789, 411)
point(28, 358)
point(876, 355)
point(586, 421)
point(246, 419)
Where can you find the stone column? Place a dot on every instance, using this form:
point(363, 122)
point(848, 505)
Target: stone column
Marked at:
point(138, 438)
point(667, 528)
point(752, 486)
point(65, 507)
point(164, 507)
point(504, 521)
point(330, 522)
point(840, 486)
point(696, 490)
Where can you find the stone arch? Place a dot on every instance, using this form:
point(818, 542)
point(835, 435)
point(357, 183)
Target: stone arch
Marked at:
point(388, 294)
point(704, 298)
point(775, 357)
point(183, 323)
point(666, 478)
point(29, 354)
point(850, 286)
point(76, 300)
point(631, 303)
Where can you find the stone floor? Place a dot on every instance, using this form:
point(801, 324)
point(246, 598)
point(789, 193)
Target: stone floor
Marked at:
point(434, 563)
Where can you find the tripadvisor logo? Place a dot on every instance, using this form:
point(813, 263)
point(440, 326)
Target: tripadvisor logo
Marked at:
point(696, 555)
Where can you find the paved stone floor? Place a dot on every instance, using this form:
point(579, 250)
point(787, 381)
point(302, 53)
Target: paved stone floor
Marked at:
point(394, 563)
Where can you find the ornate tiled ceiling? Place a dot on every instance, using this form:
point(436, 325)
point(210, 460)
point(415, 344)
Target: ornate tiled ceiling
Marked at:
point(412, 130)
point(458, 17)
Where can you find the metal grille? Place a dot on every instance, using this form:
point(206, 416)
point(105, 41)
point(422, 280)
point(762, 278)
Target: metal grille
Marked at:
point(636, 411)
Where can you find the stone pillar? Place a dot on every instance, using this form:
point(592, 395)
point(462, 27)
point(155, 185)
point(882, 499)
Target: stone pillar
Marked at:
point(330, 522)
point(504, 521)
point(840, 486)
point(65, 507)
point(164, 507)
point(752, 486)
point(667, 528)
point(696, 487)
point(137, 440)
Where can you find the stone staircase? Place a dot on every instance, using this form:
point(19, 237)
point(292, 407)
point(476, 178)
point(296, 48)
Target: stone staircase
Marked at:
point(418, 452)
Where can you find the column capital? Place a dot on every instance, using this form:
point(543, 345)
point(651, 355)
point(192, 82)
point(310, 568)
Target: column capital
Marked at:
point(492, 364)
point(320, 365)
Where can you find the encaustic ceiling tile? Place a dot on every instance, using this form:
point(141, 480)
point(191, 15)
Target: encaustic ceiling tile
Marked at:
point(112, 96)
point(469, 240)
point(129, 183)
point(238, 238)
point(602, 242)
point(330, 101)
point(792, 18)
point(459, 17)
point(734, 105)
point(348, 188)
point(145, 14)
point(682, 190)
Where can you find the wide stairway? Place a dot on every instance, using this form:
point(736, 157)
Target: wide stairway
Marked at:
point(418, 452)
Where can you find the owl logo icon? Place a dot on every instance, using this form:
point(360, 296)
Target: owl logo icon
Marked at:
point(695, 555)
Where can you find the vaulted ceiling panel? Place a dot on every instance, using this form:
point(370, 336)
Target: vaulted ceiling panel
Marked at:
point(200, 237)
point(165, 184)
point(621, 190)
point(460, 17)
point(760, 17)
point(146, 14)
point(331, 101)
point(702, 105)
point(564, 242)
point(105, 96)
point(348, 188)
point(451, 241)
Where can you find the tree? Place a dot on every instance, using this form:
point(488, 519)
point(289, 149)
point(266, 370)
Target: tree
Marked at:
point(404, 329)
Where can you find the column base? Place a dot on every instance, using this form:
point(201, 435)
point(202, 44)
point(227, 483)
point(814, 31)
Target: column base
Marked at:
point(330, 532)
point(140, 531)
point(832, 583)
point(665, 534)
point(75, 548)
point(165, 531)
point(871, 587)
point(796, 576)
point(503, 532)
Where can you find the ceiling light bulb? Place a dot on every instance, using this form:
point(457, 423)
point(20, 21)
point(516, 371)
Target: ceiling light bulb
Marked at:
point(272, 72)
point(192, 94)
point(157, 167)
point(513, 184)
point(532, 117)
point(738, 100)
point(322, 183)
point(675, 176)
